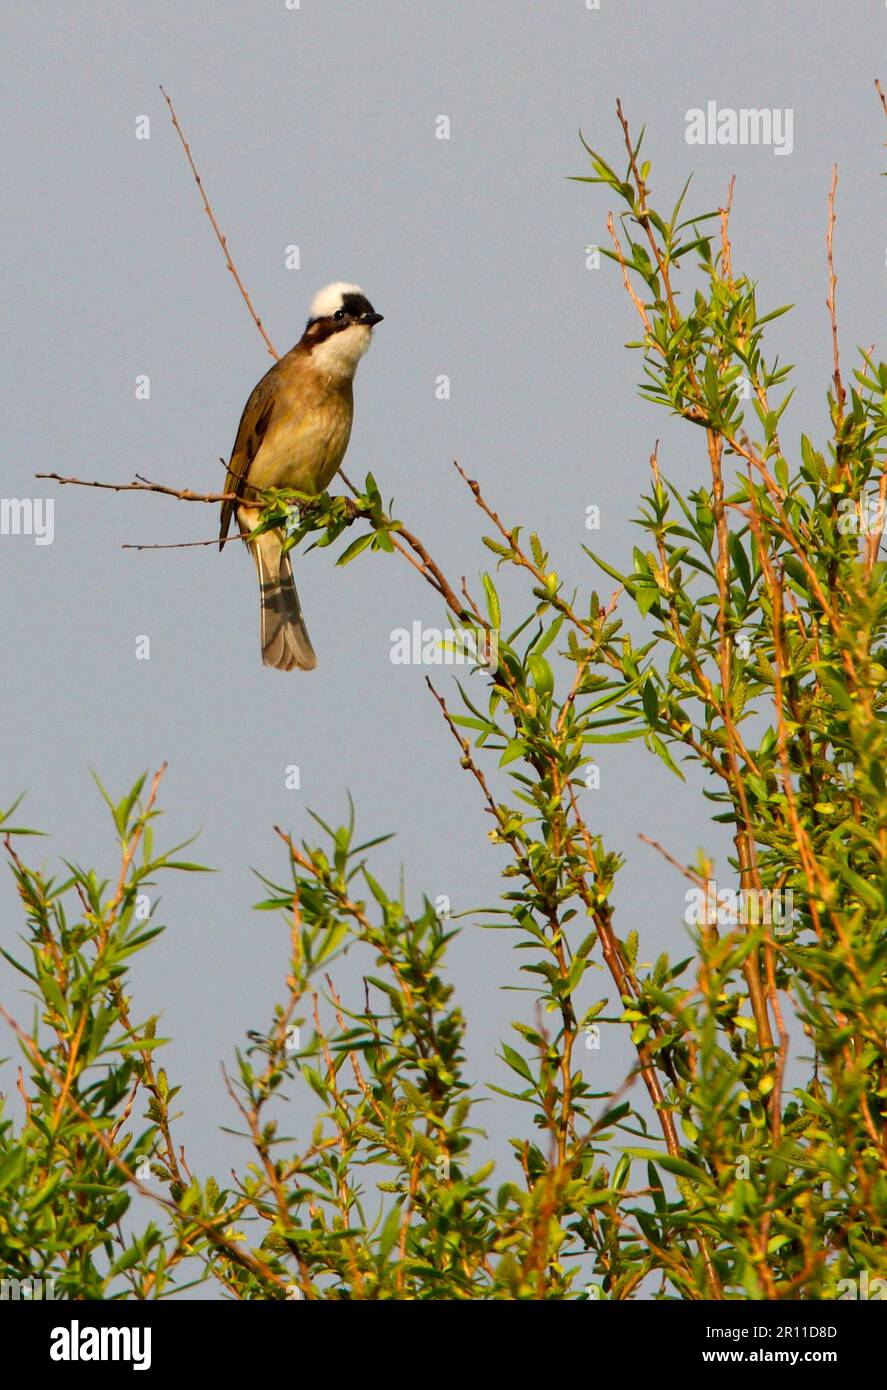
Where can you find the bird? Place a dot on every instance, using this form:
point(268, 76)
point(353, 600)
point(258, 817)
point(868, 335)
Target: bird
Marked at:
point(293, 433)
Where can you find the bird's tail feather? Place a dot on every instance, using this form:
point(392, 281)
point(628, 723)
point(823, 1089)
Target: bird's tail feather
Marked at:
point(285, 642)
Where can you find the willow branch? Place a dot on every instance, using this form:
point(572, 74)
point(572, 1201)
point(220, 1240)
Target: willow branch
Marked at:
point(840, 395)
point(143, 485)
point(222, 240)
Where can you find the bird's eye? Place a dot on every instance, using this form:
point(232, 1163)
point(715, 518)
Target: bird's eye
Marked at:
point(339, 314)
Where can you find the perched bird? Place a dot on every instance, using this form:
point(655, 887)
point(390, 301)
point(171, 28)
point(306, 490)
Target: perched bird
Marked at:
point(293, 433)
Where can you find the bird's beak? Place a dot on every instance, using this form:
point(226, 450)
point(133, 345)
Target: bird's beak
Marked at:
point(371, 319)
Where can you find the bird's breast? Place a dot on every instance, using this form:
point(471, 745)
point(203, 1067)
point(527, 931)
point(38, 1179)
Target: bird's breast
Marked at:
point(304, 445)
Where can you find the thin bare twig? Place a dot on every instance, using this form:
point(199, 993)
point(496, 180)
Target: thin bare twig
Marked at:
point(143, 485)
point(183, 545)
point(222, 240)
point(840, 395)
point(690, 874)
point(726, 250)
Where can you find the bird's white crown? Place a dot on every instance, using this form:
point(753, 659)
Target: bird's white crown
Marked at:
point(330, 298)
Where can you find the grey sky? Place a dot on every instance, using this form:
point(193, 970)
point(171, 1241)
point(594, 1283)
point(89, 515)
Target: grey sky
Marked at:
point(316, 127)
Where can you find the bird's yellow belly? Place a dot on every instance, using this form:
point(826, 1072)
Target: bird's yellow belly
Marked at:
point(302, 450)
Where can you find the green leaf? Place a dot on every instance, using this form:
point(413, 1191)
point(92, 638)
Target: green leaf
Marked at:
point(543, 676)
point(389, 1235)
point(645, 595)
point(11, 1166)
point(514, 750)
point(518, 1063)
point(740, 561)
point(355, 548)
point(679, 1166)
point(492, 602)
point(662, 752)
point(548, 637)
point(651, 702)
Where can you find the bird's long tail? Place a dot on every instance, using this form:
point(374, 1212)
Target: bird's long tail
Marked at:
point(285, 642)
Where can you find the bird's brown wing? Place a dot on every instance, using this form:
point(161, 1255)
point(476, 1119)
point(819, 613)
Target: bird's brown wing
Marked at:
point(253, 425)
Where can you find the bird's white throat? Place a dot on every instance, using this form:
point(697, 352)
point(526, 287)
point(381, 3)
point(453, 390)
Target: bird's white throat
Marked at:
point(339, 354)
